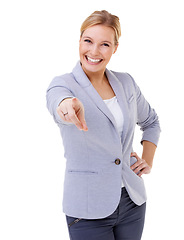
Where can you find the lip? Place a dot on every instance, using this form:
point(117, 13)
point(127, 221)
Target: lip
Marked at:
point(93, 61)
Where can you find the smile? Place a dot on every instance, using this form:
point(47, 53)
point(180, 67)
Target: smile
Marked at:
point(93, 60)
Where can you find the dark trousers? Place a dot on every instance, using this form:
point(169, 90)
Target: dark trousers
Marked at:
point(126, 223)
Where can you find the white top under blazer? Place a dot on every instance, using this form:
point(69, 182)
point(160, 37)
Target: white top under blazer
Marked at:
point(115, 109)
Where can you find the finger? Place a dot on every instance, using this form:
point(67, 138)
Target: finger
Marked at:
point(81, 118)
point(140, 167)
point(61, 113)
point(134, 154)
point(63, 108)
point(143, 171)
point(74, 119)
point(84, 125)
point(80, 113)
point(67, 111)
point(140, 173)
point(67, 118)
point(136, 164)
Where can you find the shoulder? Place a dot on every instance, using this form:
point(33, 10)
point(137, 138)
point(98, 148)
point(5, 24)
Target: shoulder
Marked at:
point(61, 81)
point(125, 78)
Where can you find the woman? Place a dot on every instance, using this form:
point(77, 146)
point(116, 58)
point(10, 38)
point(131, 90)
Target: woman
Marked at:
point(97, 111)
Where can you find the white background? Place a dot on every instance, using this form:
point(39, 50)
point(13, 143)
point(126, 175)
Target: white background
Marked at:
point(39, 40)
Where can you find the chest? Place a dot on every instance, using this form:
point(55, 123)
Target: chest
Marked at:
point(104, 90)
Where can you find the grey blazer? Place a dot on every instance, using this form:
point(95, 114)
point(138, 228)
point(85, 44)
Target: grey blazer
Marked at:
point(98, 160)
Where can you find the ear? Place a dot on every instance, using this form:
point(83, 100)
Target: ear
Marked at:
point(116, 47)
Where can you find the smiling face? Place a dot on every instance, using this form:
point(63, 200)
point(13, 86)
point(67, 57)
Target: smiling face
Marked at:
point(96, 48)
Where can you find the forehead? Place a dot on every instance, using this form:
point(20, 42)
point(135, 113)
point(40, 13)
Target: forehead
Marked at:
point(100, 33)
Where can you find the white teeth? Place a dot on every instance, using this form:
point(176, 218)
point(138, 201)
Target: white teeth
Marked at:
point(93, 60)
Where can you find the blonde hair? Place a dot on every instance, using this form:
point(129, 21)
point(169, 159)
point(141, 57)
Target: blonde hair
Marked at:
point(105, 18)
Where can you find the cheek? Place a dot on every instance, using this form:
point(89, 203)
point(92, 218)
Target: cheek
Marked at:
point(82, 49)
point(108, 54)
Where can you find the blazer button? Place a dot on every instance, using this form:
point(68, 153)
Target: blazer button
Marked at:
point(117, 161)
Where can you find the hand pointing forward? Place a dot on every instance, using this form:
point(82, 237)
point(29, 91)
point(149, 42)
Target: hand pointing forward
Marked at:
point(71, 110)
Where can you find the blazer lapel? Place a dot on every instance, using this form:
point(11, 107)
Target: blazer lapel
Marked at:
point(117, 87)
point(120, 94)
point(84, 82)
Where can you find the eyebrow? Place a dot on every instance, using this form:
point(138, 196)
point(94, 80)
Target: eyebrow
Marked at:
point(102, 41)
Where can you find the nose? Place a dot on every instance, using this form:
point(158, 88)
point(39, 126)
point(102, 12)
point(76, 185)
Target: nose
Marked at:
point(94, 50)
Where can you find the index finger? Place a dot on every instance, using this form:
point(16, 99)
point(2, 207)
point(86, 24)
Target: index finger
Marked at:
point(72, 117)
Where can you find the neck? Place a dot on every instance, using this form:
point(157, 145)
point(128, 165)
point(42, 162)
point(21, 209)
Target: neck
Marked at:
point(96, 77)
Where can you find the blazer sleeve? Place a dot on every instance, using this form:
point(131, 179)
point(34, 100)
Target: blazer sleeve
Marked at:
point(147, 118)
point(57, 91)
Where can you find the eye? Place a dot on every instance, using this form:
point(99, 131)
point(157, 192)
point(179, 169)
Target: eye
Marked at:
point(87, 40)
point(106, 44)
